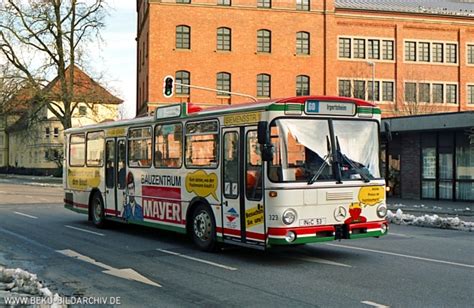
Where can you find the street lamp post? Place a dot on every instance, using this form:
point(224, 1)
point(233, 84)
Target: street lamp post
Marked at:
point(371, 63)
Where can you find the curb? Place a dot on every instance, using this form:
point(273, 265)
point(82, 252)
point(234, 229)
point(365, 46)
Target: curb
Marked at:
point(451, 212)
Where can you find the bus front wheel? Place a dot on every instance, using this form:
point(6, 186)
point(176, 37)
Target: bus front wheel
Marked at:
point(203, 228)
point(97, 207)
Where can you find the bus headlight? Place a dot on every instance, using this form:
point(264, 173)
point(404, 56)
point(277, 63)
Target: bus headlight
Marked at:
point(290, 236)
point(382, 210)
point(288, 217)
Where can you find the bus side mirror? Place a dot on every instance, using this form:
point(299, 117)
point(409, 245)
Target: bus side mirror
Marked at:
point(263, 137)
point(262, 133)
point(388, 131)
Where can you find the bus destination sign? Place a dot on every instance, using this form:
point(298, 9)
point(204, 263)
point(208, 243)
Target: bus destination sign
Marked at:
point(330, 108)
point(165, 112)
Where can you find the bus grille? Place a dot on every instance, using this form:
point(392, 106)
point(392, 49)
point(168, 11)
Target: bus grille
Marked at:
point(343, 195)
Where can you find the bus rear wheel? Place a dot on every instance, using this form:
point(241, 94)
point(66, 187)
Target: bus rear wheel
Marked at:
point(97, 207)
point(203, 228)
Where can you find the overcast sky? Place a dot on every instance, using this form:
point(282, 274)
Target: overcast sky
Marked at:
point(117, 54)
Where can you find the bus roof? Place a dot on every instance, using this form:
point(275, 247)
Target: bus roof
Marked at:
point(195, 110)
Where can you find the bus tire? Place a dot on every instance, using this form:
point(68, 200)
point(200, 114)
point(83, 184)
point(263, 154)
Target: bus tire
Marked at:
point(203, 228)
point(97, 209)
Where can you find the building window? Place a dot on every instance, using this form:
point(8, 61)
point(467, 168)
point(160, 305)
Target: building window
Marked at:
point(302, 85)
point(373, 49)
point(302, 43)
point(264, 41)
point(359, 89)
point(302, 5)
point(223, 39)
point(376, 91)
point(345, 88)
point(344, 48)
point(224, 2)
point(387, 91)
point(410, 92)
point(387, 50)
point(470, 94)
point(410, 51)
point(438, 90)
point(437, 52)
point(451, 55)
point(183, 1)
point(47, 132)
point(263, 85)
point(56, 132)
point(359, 49)
point(223, 83)
point(470, 54)
point(424, 52)
point(451, 94)
point(264, 3)
point(82, 110)
point(183, 77)
point(424, 92)
point(183, 37)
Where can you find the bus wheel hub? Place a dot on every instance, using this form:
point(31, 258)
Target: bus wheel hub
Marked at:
point(202, 226)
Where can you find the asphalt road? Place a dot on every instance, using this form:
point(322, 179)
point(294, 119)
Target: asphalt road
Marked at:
point(410, 267)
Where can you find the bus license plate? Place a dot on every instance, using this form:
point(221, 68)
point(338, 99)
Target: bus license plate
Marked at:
point(312, 222)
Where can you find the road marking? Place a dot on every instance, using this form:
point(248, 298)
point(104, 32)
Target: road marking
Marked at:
point(26, 215)
point(398, 234)
point(125, 273)
point(76, 255)
point(374, 304)
point(404, 256)
point(198, 260)
point(130, 274)
point(322, 261)
point(84, 230)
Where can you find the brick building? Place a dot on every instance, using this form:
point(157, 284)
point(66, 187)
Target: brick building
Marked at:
point(419, 53)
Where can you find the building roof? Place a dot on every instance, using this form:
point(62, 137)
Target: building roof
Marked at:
point(85, 89)
point(464, 8)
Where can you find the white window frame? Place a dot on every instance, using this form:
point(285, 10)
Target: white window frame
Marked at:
point(366, 39)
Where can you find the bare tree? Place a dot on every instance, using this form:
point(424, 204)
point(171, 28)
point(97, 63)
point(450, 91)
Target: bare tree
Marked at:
point(46, 38)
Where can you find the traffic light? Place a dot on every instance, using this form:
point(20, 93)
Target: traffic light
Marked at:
point(168, 86)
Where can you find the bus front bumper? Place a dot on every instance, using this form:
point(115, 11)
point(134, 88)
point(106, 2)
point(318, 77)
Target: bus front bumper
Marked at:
point(304, 235)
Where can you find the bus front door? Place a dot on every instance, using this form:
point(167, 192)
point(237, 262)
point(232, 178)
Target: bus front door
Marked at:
point(242, 206)
point(115, 174)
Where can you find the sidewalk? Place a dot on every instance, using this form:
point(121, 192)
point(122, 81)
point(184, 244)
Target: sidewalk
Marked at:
point(439, 207)
point(33, 180)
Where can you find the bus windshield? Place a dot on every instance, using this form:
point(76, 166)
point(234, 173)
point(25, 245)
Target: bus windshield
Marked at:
point(303, 151)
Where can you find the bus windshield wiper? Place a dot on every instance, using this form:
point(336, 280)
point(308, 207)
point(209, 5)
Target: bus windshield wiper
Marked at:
point(351, 162)
point(323, 165)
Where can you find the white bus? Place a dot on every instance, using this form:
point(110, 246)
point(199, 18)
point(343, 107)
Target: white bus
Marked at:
point(279, 172)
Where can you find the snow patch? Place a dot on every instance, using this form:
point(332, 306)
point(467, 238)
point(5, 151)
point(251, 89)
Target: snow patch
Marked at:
point(432, 221)
point(25, 283)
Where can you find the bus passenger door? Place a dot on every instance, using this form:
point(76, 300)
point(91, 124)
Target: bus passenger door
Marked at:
point(110, 178)
point(242, 201)
point(121, 176)
point(254, 212)
point(232, 201)
point(115, 175)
